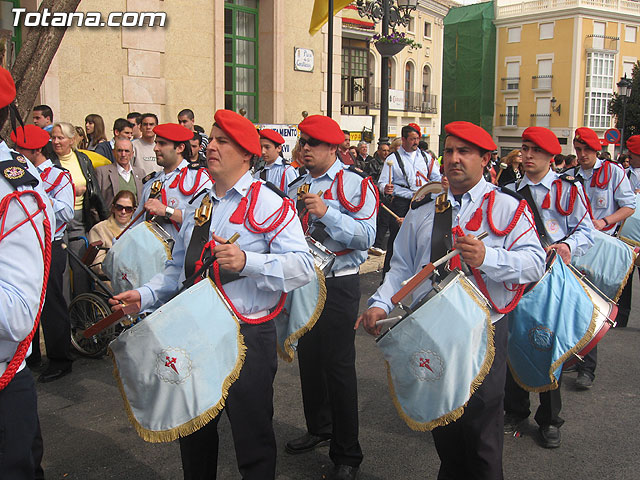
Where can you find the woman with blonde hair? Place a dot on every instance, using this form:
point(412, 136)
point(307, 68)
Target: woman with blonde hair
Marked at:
point(513, 172)
point(94, 126)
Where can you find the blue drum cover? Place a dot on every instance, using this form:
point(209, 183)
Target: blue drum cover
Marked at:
point(175, 367)
point(630, 230)
point(607, 264)
point(551, 322)
point(438, 356)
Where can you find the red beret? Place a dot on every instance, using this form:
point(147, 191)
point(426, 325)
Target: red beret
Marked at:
point(173, 132)
point(588, 136)
point(272, 135)
point(471, 133)
point(31, 137)
point(543, 138)
point(415, 126)
point(633, 144)
point(240, 129)
point(322, 128)
point(7, 88)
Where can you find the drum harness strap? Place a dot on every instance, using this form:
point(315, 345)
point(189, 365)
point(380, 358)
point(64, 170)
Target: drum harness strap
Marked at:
point(319, 231)
point(199, 257)
point(602, 184)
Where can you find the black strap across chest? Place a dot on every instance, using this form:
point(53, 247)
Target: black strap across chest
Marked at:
point(537, 218)
point(16, 173)
point(441, 241)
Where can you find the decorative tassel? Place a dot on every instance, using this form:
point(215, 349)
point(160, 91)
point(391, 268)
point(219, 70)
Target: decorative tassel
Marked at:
point(546, 203)
point(328, 195)
point(239, 214)
point(456, 232)
point(475, 222)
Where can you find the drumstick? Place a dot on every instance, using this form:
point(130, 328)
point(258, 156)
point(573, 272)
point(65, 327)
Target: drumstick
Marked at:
point(503, 167)
point(391, 212)
point(411, 284)
point(131, 224)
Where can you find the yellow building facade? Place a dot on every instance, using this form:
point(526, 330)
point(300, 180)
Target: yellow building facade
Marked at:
point(557, 65)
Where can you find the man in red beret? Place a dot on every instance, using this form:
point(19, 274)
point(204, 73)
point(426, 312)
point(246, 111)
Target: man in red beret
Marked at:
point(502, 264)
point(275, 170)
point(24, 263)
point(612, 200)
point(569, 234)
point(338, 208)
point(410, 169)
point(633, 172)
point(54, 319)
point(166, 193)
point(269, 258)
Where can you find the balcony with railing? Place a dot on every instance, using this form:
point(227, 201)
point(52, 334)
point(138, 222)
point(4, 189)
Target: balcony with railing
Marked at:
point(515, 9)
point(541, 83)
point(509, 120)
point(601, 42)
point(510, 84)
point(540, 119)
point(405, 101)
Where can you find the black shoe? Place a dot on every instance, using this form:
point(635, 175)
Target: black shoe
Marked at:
point(343, 472)
point(512, 423)
point(549, 436)
point(52, 374)
point(306, 443)
point(584, 381)
point(34, 364)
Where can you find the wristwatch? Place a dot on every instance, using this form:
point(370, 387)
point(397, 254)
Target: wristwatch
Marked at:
point(168, 212)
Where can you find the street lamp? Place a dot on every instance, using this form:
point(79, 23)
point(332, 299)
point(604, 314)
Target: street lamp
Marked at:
point(624, 86)
point(391, 13)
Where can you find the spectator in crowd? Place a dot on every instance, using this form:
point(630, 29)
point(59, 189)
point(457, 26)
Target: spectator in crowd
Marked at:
point(122, 128)
point(396, 143)
point(187, 120)
point(80, 140)
point(122, 208)
point(344, 154)
point(197, 157)
point(43, 117)
point(570, 161)
point(134, 118)
point(143, 153)
point(94, 126)
point(89, 207)
point(623, 160)
point(121, 175)
point(513, 172)
point(362, 155)
point(604, 155)
point(382, 222)
point(558, 162)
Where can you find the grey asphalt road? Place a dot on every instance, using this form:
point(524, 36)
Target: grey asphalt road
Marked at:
point(87, 434)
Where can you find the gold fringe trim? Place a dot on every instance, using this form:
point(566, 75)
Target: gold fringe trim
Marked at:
point(164, 243)
point(588, 336)
point(626, 277)
point(287, 353)
point(161, 436)
point(475, 384)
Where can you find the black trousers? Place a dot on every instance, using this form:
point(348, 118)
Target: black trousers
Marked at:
point(383, 223)
point(400, 207)
point(471, 447)
point(54, 319)
point(249, 407)
point(624, 302)
point(20, 438)
point(588, 366)
point(516, 402)
point(326, 356)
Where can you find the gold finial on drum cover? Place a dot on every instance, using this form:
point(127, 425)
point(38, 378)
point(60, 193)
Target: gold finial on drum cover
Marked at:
point(156, 188)
point(302, 189)
point(442, 204)
point(203, 212)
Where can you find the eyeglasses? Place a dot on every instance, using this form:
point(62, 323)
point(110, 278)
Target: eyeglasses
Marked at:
point(119, 207)
point(312, 142)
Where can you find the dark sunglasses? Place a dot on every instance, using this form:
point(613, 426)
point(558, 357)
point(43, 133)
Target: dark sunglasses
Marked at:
point(312, 142)
point(117, 206)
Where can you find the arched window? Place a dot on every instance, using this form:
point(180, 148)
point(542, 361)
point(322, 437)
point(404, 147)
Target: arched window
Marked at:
point(408, 86)
point(426, 83)
point(392, 72)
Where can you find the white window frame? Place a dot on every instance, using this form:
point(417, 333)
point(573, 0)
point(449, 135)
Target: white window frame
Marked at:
point(630, 29)
point(546, 35)
point(511, 112)
point(599, 83)
point(512, 38)
point(424, 34)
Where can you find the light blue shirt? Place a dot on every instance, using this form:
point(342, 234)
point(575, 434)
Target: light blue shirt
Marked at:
point(633, 174)
point(516, 258)
point(617, 194)
point(416, 170)
point(174, 197)
point(577, 225)
point(276, 262)
point(62, 195)
point(21, 265)
point(279, 174)
point(346, 230)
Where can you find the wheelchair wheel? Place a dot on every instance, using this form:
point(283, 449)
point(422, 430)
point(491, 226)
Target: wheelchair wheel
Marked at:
point(85, 310)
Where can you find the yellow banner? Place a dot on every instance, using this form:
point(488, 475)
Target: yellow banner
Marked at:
point(320, 13)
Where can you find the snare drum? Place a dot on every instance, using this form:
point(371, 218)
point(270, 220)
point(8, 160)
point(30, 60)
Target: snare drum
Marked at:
point(607, 264)
point(431, 187)
point(438, 355)
point(175, 367)
point(137, 256)
point(322, 256)
point(604, 312)
point(301, 310)
point(630, 230)
point(550, 325)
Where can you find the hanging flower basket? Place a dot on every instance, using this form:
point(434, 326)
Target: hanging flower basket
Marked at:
point(389, 49)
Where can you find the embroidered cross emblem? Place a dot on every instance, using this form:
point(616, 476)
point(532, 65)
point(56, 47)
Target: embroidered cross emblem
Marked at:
point(424, 362)
point(171, 363)
point(124, 276)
